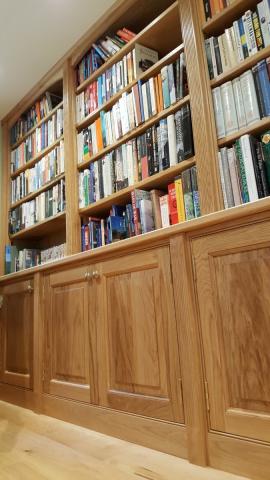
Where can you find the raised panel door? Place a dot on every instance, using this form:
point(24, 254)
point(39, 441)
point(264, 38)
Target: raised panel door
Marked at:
point(233, 284)
point(69, 336)
point(17, 334)
point(139, 368)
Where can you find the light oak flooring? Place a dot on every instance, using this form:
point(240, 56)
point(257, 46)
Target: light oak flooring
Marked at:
point(34, 447)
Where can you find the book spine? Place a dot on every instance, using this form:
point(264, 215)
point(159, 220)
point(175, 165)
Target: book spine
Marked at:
point(218, 110)
point(265, 86)
point(228, 107)
point(227, 177)
point(250, 98)
point(249, 169)
point(239, 103)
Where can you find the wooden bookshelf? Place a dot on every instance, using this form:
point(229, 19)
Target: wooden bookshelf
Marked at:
point(254, 129)
point(151, 36)
point(247, 64)
point(225, 18)
point(49, 225)
point(159, 180)
point(37, 157)
point(45, 119)
point(34, 194)
point(154, 70)
point(136, 131)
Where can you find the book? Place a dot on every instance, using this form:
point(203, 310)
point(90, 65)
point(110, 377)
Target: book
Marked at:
point(218, 110)
point(249, 97)
point(164, 210)
point(143, 58)
point(155, 196)
point(188, 196)
point(173, 213)
point(228, 108)
point(180, 199)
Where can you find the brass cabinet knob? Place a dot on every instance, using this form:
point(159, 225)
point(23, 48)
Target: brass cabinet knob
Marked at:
point(30, 288)
point(87, 276)
point(96, 274)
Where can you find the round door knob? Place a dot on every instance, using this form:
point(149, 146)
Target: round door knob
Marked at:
point(87, 276)
point(30, 289)
point(96, 274)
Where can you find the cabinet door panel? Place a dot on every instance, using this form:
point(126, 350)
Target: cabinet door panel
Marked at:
point(17, 334)
point(138, 349)
point(68, 339)
point(233, 277)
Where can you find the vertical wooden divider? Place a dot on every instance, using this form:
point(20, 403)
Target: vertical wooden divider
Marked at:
point(73, 224)
point(203, 122)
point(5, 196)
point(190, 350)
point(37, 339)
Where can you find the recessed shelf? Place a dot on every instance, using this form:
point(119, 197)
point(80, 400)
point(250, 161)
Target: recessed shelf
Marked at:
point(34, 194)
point(49, 225)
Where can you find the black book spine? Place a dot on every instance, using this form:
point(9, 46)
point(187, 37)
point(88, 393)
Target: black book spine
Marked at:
point(148, 95)
point(179, 136)
point(262, 168)
point(149, 151)
point(217, 56)
point(258, 177)
point(207, 9)
point(258, 89)
point(100, 179)
point(155, 149)
point(187, 131)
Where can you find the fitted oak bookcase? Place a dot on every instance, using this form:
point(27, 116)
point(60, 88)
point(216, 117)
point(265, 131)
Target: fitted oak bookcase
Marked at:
point(161, 339)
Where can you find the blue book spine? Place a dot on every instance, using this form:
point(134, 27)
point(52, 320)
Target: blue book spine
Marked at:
point(83, 237)
point(243, 37)
point(165, 87)
point(103, 128)
point(265, 86)
point(141, 99)
point(99, 82)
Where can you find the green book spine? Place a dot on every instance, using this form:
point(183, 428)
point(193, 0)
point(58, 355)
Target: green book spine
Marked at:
point(188, 195)
point(265, 139)
point(242, 172)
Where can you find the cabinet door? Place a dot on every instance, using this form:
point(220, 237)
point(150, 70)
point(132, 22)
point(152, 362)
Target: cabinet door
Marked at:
point(139, 368)
point(68, 362)
point(233, 285)
point(17, 334)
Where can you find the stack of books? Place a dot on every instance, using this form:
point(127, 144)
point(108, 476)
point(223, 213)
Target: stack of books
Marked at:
point(143, 102)
point(245, 170)
point(148, 211)
point(41, 138)
point(49, 167)
point(242, 101)
point(100, 51)
point(43, 206)
point(160, 147)
point(16, 260)
point(212, 7)
point(124, 72)
point(35, 114)
point(249, 34)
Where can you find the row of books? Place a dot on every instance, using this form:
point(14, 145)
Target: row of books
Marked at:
point(34, 115)
point(245, 170)
point(100, 51)
point(16, 260)
point(45, 205)
point(147, 211)
point(249, 34)
point(41, 138)
point(49, 167)
point(160, 147)
point(172, 83)
point(242, 101)
point(143, 102)
point(212, 7)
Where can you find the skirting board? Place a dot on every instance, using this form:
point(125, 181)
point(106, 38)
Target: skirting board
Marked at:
point(239, 456)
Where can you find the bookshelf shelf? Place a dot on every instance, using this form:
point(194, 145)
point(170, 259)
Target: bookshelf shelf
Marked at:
point(35, 159)
point(34, 194)
point(137, 131)
point(222, 20)
point(148, 36)
point(169, 58)
point(253, 129)
point(47, 226)
point(242, 67)
point(45, 119)
point(159, 180)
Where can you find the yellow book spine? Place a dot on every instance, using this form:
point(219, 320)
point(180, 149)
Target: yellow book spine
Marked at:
point(180, 200)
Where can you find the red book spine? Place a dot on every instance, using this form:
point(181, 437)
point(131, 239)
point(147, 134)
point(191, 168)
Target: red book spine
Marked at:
point(172, 204)
point(135, 213)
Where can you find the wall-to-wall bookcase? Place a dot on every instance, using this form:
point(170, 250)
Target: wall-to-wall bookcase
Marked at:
point(135, 142)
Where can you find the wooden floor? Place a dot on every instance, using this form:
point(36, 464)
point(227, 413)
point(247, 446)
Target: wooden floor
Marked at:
point(34, 447)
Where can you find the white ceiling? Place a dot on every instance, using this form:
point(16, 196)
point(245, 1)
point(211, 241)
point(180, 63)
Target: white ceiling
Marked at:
point(34, 35)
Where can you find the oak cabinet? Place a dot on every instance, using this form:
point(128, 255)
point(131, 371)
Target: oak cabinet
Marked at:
point(16, 316)
point(69, 358)
point(139, 370)
point(233, 285)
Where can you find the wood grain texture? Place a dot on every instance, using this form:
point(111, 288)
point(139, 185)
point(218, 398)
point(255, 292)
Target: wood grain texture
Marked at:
point(138, 350)
point(5, 195)
point(190, 350)
point(73, 223)
point(203, 122)
point(16, 316)
point(232, 270)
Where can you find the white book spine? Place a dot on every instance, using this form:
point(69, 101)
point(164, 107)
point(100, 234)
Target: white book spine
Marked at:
point(213, 56)
point(249, 97)
point(220, 126)
point(145, 104)
point(228, 107)
point(153, 96)
point(172, 140)
point(164, 210)
point(248, 162)
point(249, 31)
point(231, 46)
point(264, 17)
point(240, 53)
point(234, 176)
point(227, 177)
point(239, 103)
